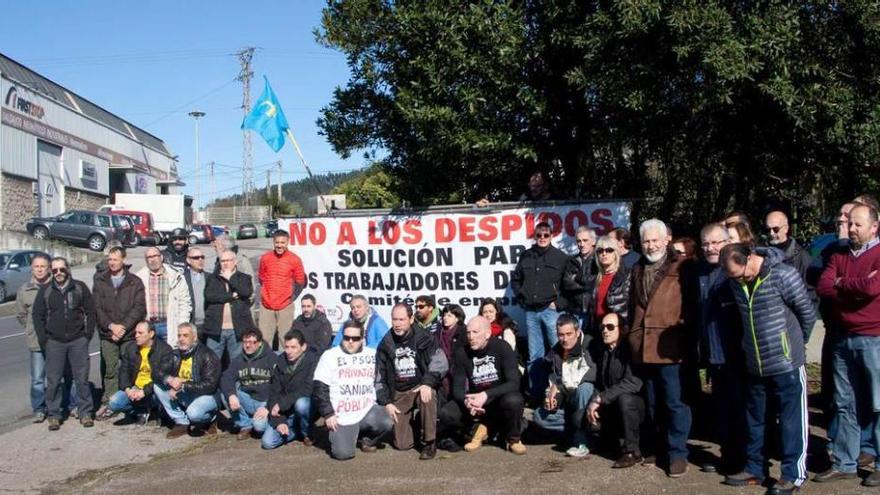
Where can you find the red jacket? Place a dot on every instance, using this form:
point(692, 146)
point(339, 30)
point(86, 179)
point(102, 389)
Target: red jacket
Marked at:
point(278, 275)
point(854, 294)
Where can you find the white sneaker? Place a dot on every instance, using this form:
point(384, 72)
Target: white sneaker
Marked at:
point(579, 451)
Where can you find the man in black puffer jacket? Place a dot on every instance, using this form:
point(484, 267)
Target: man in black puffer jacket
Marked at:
point(245, 384)
point(187, 393)
point(536, 283)
point(290, 404)
point(136, 377)
point(227, 307)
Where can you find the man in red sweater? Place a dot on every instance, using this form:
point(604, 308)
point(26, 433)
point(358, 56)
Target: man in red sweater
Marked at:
point(282, 278)
point(852, 283)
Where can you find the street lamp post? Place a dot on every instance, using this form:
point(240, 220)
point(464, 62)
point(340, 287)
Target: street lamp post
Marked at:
point(195, 114)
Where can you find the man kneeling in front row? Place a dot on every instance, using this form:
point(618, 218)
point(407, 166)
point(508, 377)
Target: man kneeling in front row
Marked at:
point(290, 391)
point(485, 388)
point(345, 394)
point(144, 361)
point(616, 401)
point(572, 373)
point(245, 384)
point(187, 393)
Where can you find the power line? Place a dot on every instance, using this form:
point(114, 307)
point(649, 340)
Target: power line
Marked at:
point(192, 102)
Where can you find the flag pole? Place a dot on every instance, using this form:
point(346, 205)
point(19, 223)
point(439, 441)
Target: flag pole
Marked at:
point(302, 159)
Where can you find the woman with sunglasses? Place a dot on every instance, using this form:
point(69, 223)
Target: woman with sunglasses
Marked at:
point(502, 326)
point(611, 291)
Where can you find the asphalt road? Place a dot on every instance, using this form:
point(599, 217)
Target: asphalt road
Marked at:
point(15, 409)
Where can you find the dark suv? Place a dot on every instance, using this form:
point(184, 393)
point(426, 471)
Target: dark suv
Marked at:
point(78, 226)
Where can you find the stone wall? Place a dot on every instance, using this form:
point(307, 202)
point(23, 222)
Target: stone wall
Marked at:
point(17, 201)
point(81, 200)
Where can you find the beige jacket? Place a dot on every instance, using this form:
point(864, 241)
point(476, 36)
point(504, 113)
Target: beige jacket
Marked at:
point(178, 308)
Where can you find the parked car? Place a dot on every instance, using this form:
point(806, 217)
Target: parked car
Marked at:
point(144, 232)
point(247, 231)
point(271, 227)
point(77, 226)
point(219, 230)
point(15, 271)
point(201, 234)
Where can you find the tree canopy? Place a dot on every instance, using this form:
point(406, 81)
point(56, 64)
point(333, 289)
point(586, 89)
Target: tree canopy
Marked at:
point(696, 106)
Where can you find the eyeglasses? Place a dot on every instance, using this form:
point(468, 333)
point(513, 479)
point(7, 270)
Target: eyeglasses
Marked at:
point(609, 326)
point(420, 306)
point(605, 250)
point(714, 243)
point(226, 261)
point(543, 235)
point(352, 338)
point(59, 270)
point(151, 256)
point(196, 257)
point(775, 230)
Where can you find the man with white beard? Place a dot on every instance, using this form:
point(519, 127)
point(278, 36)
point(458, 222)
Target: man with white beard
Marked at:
point(662, 338)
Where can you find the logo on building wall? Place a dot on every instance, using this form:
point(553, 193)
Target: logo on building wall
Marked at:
point(88, 174)
point(23, 105)
point(141, 184)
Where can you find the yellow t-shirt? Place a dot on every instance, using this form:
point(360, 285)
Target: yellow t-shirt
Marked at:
point(143, 377)
point(186, 370)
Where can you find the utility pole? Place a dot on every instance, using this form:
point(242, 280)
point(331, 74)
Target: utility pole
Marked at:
point(268, 184)
point(213, 188)
point(247, 178)
point(195, 114)
point(279, 181)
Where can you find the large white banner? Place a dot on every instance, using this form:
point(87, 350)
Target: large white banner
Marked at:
point(457, 257)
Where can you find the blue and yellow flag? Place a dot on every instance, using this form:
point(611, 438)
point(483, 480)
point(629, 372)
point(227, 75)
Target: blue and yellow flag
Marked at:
point(267, 119)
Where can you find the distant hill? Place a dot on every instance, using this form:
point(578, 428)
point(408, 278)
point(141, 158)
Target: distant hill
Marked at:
point(295, 192)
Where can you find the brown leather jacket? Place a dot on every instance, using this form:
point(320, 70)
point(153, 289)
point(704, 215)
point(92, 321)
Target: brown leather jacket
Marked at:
point(661, 326)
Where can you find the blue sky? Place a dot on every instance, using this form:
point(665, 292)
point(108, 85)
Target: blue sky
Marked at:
point(153, 62)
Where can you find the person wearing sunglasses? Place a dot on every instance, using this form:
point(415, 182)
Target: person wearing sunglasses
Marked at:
point(64, 321)
point(779, 236)
point(721, 351)
point(345, 394)
point(778, 317)
point(175, 253)
point(610, 292)
point(427, 316)
point(662, 339)
point(616, 408)
point(196, 281)
point(536, 284)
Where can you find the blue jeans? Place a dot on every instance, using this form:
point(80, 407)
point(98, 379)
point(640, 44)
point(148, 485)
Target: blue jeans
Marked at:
point(244, 416)
point(300, 419)
point(663, 385)
point(226, 340)
point(568, 416)
point(161, 331)
point(120, 402)
point(186, 408)
point(789, 391)
point(540, 326)
point(856, 368)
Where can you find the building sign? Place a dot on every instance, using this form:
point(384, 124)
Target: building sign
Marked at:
point(62, 138)
point(88, 174)
point(457, 257)
point(13, 100)
point(141, 184)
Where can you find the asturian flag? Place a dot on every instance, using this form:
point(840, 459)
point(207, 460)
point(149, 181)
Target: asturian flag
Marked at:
point(267, 119)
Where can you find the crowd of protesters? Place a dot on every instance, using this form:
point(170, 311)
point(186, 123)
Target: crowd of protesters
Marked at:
point(610, 353)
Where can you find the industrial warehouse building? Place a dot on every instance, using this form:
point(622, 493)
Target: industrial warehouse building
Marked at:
point(59, 151)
